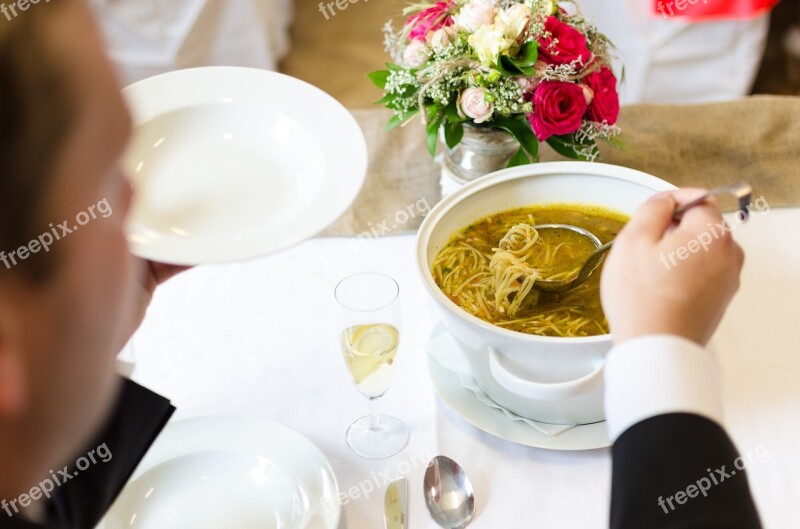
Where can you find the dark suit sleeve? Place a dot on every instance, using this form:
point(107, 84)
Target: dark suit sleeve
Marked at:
point(138, 417)
point(685, 457)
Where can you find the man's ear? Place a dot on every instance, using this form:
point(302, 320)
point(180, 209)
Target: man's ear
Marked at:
point(13, 382)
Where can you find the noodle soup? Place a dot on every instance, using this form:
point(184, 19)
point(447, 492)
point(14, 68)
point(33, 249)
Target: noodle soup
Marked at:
point(490, 268)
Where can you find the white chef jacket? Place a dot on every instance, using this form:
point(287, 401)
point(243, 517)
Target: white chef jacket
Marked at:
point(148, 37)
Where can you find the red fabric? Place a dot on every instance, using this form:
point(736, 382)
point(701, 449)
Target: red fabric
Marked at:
point(698, 10)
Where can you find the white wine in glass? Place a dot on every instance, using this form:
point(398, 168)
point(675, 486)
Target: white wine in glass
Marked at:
point(369, 352)
point(369, 307)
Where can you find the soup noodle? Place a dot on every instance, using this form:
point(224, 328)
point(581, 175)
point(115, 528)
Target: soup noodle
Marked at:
point(490, 268)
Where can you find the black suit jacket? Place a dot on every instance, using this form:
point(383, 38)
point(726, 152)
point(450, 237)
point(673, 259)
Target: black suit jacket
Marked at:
point(82, 500)
point(679, 471)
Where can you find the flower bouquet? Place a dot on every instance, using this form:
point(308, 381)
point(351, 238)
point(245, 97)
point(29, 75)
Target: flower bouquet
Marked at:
point(534, 69)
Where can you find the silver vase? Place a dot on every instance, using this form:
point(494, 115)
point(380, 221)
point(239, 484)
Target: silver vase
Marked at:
point(481, 151)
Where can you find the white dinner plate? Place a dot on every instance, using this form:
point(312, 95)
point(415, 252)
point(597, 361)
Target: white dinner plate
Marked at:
point(231, 163)
point(215, 472)
point(493, 421)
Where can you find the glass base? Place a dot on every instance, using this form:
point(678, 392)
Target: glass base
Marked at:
point(388, 440)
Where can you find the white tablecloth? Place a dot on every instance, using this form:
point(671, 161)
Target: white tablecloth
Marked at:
point(259, 338)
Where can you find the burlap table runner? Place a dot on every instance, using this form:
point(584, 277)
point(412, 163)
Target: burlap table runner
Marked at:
point(756, 139)
point(402, 180)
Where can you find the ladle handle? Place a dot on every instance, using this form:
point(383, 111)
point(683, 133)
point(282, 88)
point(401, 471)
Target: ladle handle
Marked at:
point(606, 247)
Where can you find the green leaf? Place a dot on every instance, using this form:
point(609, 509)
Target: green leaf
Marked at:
point(522, 64)
point(522, 132)
point(451, 111)
point(399, 120)
point(519, 158)
point(432, 111)
point(529, 71)
point(453, 133)
point(393, 122)
point(388, 98)
point(436, 115)
point(379, 78)
point(565, 146)
point(528, 54)
point(507, 67)
point(433, 137)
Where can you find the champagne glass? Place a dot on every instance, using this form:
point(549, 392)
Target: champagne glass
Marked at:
point(369, 307)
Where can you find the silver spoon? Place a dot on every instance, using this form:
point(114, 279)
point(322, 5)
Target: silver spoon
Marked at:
point(448, 494)
point(742, 191)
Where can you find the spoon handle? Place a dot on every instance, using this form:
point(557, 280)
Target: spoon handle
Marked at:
point(741, 190)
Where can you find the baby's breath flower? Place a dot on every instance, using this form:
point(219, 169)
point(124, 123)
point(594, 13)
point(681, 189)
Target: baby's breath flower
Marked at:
point(399, 80)
point(509, 97)
point(392, 42)
point(561, 72)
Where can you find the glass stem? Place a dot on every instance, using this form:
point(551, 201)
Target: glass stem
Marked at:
point(374, 415)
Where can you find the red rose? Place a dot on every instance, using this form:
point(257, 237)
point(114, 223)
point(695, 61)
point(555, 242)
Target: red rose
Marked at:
point(563, 44)
point(605, 103)
point(558, 108)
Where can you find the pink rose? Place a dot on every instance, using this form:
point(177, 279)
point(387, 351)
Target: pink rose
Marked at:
point(435, 17)
point(416, 54)
point(473, 104)
point(528, 84)
point(441, 38)
point(605, 103)
point(475, 14)
point(563, 45)
point(558, 109)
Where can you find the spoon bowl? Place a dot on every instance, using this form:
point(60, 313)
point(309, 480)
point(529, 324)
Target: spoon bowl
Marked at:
point(449, 496)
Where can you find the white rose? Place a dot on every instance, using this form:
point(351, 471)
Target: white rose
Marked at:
point(441, 38)
point(473, 104)
point(416, 54)
point(475, 14)
point(489, 42)
point(514, 20)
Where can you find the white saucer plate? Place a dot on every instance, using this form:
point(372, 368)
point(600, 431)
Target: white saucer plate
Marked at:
point(217, 472)
point(493, 421)
point(229, 164)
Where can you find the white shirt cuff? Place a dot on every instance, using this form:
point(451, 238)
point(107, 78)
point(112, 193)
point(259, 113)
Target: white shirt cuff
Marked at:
point(654, 375)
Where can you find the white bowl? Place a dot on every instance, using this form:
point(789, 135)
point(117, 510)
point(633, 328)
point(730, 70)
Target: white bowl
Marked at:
point(548, 379)
point(234, 163)
point(242, 472)
point(213, 489)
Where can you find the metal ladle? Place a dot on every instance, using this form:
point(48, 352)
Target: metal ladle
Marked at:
point(742, 191)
